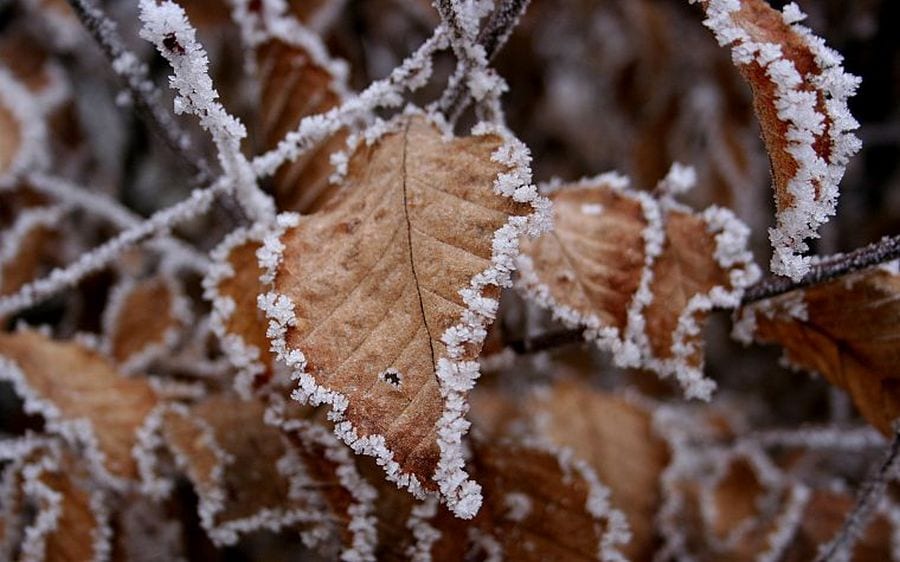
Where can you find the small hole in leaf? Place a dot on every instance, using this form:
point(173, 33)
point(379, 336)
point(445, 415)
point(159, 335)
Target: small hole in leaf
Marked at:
point(392, 377)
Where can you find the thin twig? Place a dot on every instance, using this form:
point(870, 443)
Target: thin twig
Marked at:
point(826, 269)
point(841, 547)
point(95, 260)
point(144, 93)
point(885, 250)
point(492, 37)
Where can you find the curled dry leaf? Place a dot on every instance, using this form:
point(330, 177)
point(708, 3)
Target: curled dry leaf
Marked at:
point(381, 300)
point(639, 274)
point(233, 459)
point(800, 95)
point(81, 396)
point(845, 330)
point(298, 79)
point(317, 454)
point(64, 495)
point(143, 319)
point(232, 285)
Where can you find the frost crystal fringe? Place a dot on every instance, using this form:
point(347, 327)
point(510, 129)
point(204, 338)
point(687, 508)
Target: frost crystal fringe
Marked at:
point(631, 347)
point(455, 377)
point(167, 27)
point(814, 186)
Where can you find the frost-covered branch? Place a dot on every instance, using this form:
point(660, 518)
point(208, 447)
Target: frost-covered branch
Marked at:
point(828, 268)
point(840, 549)
point(113, 212)
point(144, 93)
point(166, 26)
point(97, 259)
point(491, 39)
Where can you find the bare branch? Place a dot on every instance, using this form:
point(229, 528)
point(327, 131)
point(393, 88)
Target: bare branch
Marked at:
point(826, 269)
point(144, 92)
point(100, 257)
point(492, 37)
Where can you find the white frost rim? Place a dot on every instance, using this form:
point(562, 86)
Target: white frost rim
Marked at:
point(796, 108)
point(630, 347)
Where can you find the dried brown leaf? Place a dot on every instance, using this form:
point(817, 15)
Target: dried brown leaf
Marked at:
point(296, 82)
point(143, 319)
point(232, 286)
point(539, 504)
point(382, 298)
point(232, 458)
point(616, 438)
point(27, 247)
point(639, 274)
point(81, 395)
point(800, 95)
point(58, 512)
point(845, 330)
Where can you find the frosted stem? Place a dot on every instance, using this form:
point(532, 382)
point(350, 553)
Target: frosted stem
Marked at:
point(144, 92)
point(103, 255)
point(112, 211)
point(492, 38)
point(840, 549)
point(826, 269)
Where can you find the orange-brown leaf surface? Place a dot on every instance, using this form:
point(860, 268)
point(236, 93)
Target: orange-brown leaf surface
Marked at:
point(375, 281)
point(616, 438)
point(231, 456)
point(143, 319)
point(597, 269)
point(78, 521)
point(26, 248)
point(847, 331)
point(233, 287)
point(295, 84)
point(79, 392)
point(799, 94)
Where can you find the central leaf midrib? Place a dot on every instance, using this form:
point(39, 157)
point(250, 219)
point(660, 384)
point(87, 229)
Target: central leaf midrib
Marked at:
point(412, 259)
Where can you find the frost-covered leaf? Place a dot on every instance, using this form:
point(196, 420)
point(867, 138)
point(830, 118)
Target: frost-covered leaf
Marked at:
point(142, 320)
point(318, 456)
point(639, 274)
point(846, 330)
point(616, 438)
point(381, 300)
point(235, 462)
point(293, 87)
point(540, 503)
point(61, 514)
point(25, 247)
point(297, 79)
point(232, 285)
point(800, 95)
point(81, 396)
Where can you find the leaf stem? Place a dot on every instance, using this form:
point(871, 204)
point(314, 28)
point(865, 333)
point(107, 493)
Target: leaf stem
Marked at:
point(826, 269)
